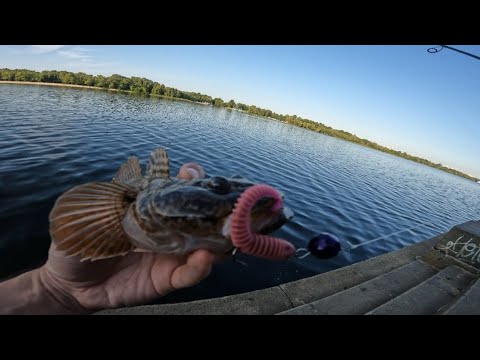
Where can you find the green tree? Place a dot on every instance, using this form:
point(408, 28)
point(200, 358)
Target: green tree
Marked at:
point(231, 104)
point(158, 89)
point(218, 102)
point(101, 81)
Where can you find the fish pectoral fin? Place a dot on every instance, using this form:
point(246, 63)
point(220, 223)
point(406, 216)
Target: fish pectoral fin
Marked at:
point(129, 170)
point(158, 164)
point(87, 220)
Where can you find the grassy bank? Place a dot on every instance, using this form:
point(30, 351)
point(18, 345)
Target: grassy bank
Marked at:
point(91, 88)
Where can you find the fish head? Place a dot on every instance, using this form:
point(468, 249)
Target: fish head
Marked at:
point(195, 213)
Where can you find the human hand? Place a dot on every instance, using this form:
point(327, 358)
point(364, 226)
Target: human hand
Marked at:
point(133, 279)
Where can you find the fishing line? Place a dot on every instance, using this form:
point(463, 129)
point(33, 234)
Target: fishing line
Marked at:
point(326, 245)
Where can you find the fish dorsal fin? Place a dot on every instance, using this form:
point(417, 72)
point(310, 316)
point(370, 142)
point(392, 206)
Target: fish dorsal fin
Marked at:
point(87, 220)
point(128, 171)
point(158, 164)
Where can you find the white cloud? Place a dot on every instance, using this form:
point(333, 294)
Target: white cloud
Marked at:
point(46, 48)
point(77, 58)
point(75, 54)
point(91, 67)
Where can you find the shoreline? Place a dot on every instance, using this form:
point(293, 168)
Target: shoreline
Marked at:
point(53, 84)
point(95, 88)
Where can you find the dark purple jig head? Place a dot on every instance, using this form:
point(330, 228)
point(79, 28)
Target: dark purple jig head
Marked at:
point(322, 246)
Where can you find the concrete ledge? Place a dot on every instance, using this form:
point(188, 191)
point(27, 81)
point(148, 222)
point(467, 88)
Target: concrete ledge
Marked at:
point(260, 302)
point(463, 243)
point(370, 294)
point(280, 298)
point(468, 303)
point(310, 289)
point(430, 296)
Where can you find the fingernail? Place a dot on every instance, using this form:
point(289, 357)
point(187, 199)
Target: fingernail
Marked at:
point(193, 172)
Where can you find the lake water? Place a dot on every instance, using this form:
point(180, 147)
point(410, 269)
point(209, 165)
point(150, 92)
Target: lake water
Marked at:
point(54, 138)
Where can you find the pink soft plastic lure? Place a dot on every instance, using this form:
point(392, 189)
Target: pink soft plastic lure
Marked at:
point(256, 244)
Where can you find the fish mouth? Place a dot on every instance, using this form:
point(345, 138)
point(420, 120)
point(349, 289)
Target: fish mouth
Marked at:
point(276, 222)
point(259, 211)
point(265, 220)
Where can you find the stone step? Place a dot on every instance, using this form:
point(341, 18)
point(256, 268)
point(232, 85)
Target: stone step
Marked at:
point(286, 296)
point(366, 296)
point(429, 296)
point(317, 287)
point(466, 304)
point(260, 302)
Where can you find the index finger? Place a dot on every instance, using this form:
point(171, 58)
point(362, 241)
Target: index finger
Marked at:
point(198, 267)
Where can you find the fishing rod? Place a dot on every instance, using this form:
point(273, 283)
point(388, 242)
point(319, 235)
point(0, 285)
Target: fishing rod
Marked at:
point(439, 48)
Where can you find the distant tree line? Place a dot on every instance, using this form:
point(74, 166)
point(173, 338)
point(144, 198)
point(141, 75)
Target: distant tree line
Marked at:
point(144, 86)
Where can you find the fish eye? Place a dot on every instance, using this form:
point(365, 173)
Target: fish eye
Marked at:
point(219, 185)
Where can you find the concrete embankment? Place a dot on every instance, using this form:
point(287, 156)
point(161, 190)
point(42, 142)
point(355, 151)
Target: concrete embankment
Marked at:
point(437, 276)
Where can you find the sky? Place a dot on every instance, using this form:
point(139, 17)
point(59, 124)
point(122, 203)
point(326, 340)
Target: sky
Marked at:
point(399, 96)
